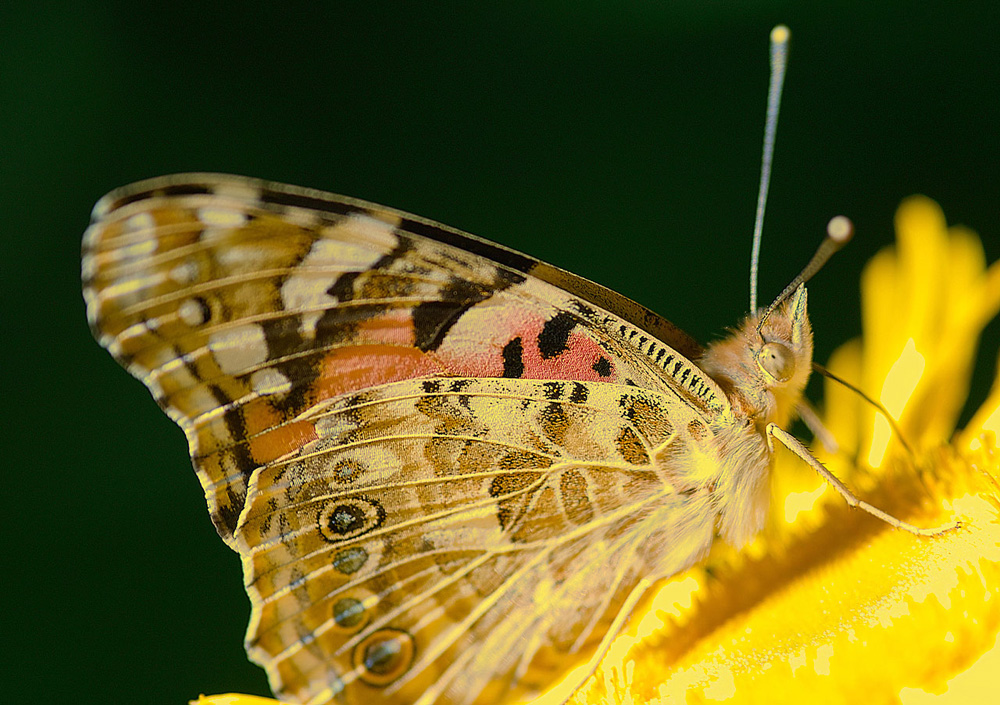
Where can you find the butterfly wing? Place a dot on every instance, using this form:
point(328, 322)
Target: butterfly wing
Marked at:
point(452, 539)
point(241, 304)
point(261, 315)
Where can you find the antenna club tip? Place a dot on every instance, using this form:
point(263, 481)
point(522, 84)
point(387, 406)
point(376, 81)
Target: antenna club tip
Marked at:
point(780, 34)
point(840, 229)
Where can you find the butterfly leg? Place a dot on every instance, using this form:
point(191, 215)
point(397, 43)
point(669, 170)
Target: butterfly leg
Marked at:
point(795, 445)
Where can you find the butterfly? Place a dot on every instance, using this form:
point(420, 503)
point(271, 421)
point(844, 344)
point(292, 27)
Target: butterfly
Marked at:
point(450, 470)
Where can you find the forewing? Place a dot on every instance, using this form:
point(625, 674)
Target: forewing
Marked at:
point(242, 305)
point(455, 540)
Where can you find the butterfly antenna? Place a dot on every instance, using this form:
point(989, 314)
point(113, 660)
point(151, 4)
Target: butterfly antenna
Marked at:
point(839, 231)
point(779, 60)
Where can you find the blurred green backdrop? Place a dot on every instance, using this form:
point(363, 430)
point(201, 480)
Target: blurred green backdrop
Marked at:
point(620, 140)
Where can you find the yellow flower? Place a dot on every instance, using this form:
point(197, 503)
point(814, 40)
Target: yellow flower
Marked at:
point(233, 699)
point(830, 605)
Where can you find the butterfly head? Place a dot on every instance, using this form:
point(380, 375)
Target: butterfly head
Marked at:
point(764, 368)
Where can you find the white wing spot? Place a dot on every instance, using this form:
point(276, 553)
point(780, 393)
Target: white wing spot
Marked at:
point(138, 250)
point(374, 233)
point(269, 381)
point(154, 387)
point(199, 410)
point(138, 370)
point(177, 372)
point(221, 217)
point(89, 268)
point(92, 235)
point(139, 222)
point(93, 306)
point(102, 207)
point(131, 289)
point(238, 349)
point(135, 331)
point(238, 189)
point(184, 273)
point(303, 217)
point(114, 347)
point(191, 312)
point(327, 259)
point(143, 226)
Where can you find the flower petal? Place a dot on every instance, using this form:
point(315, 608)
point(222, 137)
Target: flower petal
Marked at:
point(985, 421)
point(233, 699)
point(928, 299)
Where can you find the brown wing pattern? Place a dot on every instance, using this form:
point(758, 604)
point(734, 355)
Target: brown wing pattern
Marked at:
point(427, 448)
point(241, 304)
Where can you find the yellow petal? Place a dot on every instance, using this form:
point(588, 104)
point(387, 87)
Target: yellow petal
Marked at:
point(897, 389)
point(928, 298)
point(985, 421)
point(233, 699)
point(921, 236)
point(953, 339)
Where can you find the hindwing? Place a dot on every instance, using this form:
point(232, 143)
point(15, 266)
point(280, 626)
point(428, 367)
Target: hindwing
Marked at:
point(452, 540)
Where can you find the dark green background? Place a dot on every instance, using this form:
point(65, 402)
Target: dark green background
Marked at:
point(620, 140)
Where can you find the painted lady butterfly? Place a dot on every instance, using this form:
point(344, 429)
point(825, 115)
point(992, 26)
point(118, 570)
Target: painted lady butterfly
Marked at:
point(450, 470)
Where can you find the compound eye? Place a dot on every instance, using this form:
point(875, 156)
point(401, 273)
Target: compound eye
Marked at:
point(777, 361)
